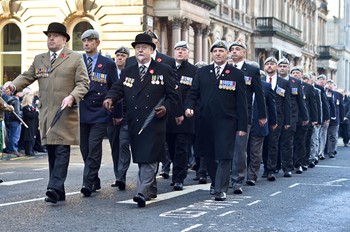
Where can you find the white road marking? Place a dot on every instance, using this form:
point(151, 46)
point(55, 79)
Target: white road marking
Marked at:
point(224, 214)
point(293, 185)
point(9, 183)
point(169, 195)
point(191, 227)
point(254, 202)
point(40, 169)
point(3, 173)
point(336, 181)
point(32, 200)
point(330, 166)
point(276, 193)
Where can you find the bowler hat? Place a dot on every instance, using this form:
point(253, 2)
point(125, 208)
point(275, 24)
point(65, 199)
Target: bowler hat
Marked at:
point(58, 28)
point(143, 39)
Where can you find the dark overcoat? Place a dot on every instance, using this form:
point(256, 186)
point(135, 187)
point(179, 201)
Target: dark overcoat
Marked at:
point(223, 109)
point(140, 98)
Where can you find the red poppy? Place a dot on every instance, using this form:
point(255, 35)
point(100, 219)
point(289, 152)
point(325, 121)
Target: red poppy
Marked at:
point(159, 59)
point(63, 55)
point(227, 71)
point(99, 65)
point(293, 81)
point(151, 71)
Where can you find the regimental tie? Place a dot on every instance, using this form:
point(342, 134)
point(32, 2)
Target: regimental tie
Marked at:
point(270, 80)
point(89, 66)
point(53, 58)
point(217, 72)
point(143, 69)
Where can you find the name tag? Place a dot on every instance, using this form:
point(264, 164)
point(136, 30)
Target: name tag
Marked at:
point(248, 80)
point(227, 85)
point(186, 80)
point(280, 91)
point(129, 82)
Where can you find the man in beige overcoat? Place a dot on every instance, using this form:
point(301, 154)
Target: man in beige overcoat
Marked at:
point(63, 82)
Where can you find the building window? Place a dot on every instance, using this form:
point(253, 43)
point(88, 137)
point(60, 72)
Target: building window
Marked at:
point(77, 32)
point(10, 52)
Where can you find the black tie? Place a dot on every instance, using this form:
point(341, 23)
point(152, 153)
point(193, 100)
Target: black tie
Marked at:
point(53, 58)
point(89, 66)
point(217, 72)
point(142, 71)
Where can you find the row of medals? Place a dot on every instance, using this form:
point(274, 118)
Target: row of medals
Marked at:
point(157, 79)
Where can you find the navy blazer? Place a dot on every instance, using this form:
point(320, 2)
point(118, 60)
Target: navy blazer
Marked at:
point(185, 76)
point(140, 99)
point(223, 109)
point(253, 85)
point(318, 105)
point(339, 109)
point(256, 129)
point(283, 105)
point(325, 103)
point(299, 111)
point(102, 78)
point(310, 102)
point(331, 103)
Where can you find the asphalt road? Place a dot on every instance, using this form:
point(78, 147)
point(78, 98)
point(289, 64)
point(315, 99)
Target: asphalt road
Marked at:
point(317, 200)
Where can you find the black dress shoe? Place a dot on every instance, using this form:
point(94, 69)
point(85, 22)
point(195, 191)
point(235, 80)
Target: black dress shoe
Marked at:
point(203, 180)
point(287, 174)
point(271, 177)
point(212, 190)
point(178, 187)
point(1, 181)
point(52, 196)
point(331, 156)
point(140, 200)
point(304, 167)
point(299, 170)
point(220, 196)
point(321, 157)
point(237, 190)
point(250, 182)
point(311, 164)
point(165, 175)
point(86, 191)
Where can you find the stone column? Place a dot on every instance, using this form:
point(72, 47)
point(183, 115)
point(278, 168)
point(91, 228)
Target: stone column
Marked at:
point(198, 29)
point(176, 31)
point(205, 46)
point(185, 25)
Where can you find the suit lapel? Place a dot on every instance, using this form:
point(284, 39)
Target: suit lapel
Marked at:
point(46, 60)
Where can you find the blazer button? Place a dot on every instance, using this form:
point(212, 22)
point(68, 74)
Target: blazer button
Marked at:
point(137, 120)
point(135, 107)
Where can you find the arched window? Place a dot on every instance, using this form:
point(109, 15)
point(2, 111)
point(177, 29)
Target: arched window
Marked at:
point(77, 32)
point(10, 52)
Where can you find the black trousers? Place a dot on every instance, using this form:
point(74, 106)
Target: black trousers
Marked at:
point(58, 156)
point(179, 146)
point(344, 131)
point(114, 141)
point(299, 143)
point(286, 148)
point(91, 137)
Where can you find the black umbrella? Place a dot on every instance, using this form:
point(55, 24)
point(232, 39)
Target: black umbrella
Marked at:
point(55, 119)
point(151, 115)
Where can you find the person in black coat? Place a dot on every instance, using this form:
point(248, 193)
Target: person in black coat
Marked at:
point(344, 126)
point(149, 92)
point(30, 117)
point(253, 86)
point(223, 114)
point(258, 132)
point(281, 88)
point(332, 133)
point(180, 137)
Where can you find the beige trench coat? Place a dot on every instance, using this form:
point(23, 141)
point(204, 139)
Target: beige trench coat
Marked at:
point(68, 76)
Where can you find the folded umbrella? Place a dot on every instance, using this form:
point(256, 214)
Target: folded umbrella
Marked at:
point(20, 119)
point(55, 119)
point(151, 115)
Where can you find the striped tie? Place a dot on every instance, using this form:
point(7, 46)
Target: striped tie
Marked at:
point(142, 71)
point(89, 66)
point(53, 59)
point(217, 72)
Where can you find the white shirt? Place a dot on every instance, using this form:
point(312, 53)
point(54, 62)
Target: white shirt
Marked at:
point(274, 81)
point(57, 53)
point(221, 67)
point(239, 64)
